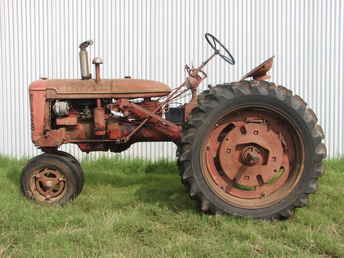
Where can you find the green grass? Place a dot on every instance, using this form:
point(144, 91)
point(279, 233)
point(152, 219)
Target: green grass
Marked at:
point(140, 209)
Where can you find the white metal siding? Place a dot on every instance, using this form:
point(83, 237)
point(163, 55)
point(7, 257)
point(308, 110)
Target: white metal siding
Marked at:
point(153, 39)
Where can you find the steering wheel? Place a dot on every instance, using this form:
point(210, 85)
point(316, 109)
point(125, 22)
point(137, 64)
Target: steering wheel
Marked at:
point(223, 51)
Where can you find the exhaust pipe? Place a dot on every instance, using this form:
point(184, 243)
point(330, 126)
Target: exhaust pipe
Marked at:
point(84, 66)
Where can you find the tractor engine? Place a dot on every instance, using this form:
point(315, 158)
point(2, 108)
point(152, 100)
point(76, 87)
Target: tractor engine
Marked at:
point(98, 114)
point(97, 117)
point(86, 121)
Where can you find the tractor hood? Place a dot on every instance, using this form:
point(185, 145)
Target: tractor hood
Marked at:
point(105, 88)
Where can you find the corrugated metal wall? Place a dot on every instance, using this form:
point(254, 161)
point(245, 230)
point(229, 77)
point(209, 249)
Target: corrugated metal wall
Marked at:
point(154, 39)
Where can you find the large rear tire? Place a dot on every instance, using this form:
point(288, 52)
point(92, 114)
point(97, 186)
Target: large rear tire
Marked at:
point(251, 149)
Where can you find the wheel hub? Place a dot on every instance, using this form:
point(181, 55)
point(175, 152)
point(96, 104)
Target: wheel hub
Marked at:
point(250, 156)
point(49, 183)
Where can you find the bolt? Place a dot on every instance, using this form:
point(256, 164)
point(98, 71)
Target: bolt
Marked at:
point(255, 132)
point(228, 150)
point(274, 158)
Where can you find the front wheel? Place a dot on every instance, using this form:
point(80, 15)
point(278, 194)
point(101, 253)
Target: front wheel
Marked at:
point(251, 149)
point(50, 179)
point(71, 160)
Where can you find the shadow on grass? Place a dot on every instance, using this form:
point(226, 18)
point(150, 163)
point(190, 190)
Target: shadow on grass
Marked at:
point(162, 167)
point(13, 175)
point(152, 182)
point(153, 187)
point(13, 169)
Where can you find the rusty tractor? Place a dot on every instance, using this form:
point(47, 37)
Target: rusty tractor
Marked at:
point(248, 148)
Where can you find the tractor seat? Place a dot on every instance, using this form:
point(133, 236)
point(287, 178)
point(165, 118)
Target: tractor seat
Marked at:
point(260, 71)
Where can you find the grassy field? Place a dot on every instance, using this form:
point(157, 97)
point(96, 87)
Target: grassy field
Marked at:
point(140, 209)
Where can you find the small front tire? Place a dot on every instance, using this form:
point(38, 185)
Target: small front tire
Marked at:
point(72, 161)
point(49, 179)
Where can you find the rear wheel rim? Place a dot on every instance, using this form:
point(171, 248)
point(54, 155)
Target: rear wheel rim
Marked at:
point(253, 157)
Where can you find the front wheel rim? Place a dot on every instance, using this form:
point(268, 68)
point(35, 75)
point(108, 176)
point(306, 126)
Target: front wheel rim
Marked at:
point(48, 185)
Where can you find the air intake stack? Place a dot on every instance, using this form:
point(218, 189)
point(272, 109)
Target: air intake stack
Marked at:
point(84, 66)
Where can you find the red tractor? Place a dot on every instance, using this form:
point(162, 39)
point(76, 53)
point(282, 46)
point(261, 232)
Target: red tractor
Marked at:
point(247, 148)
